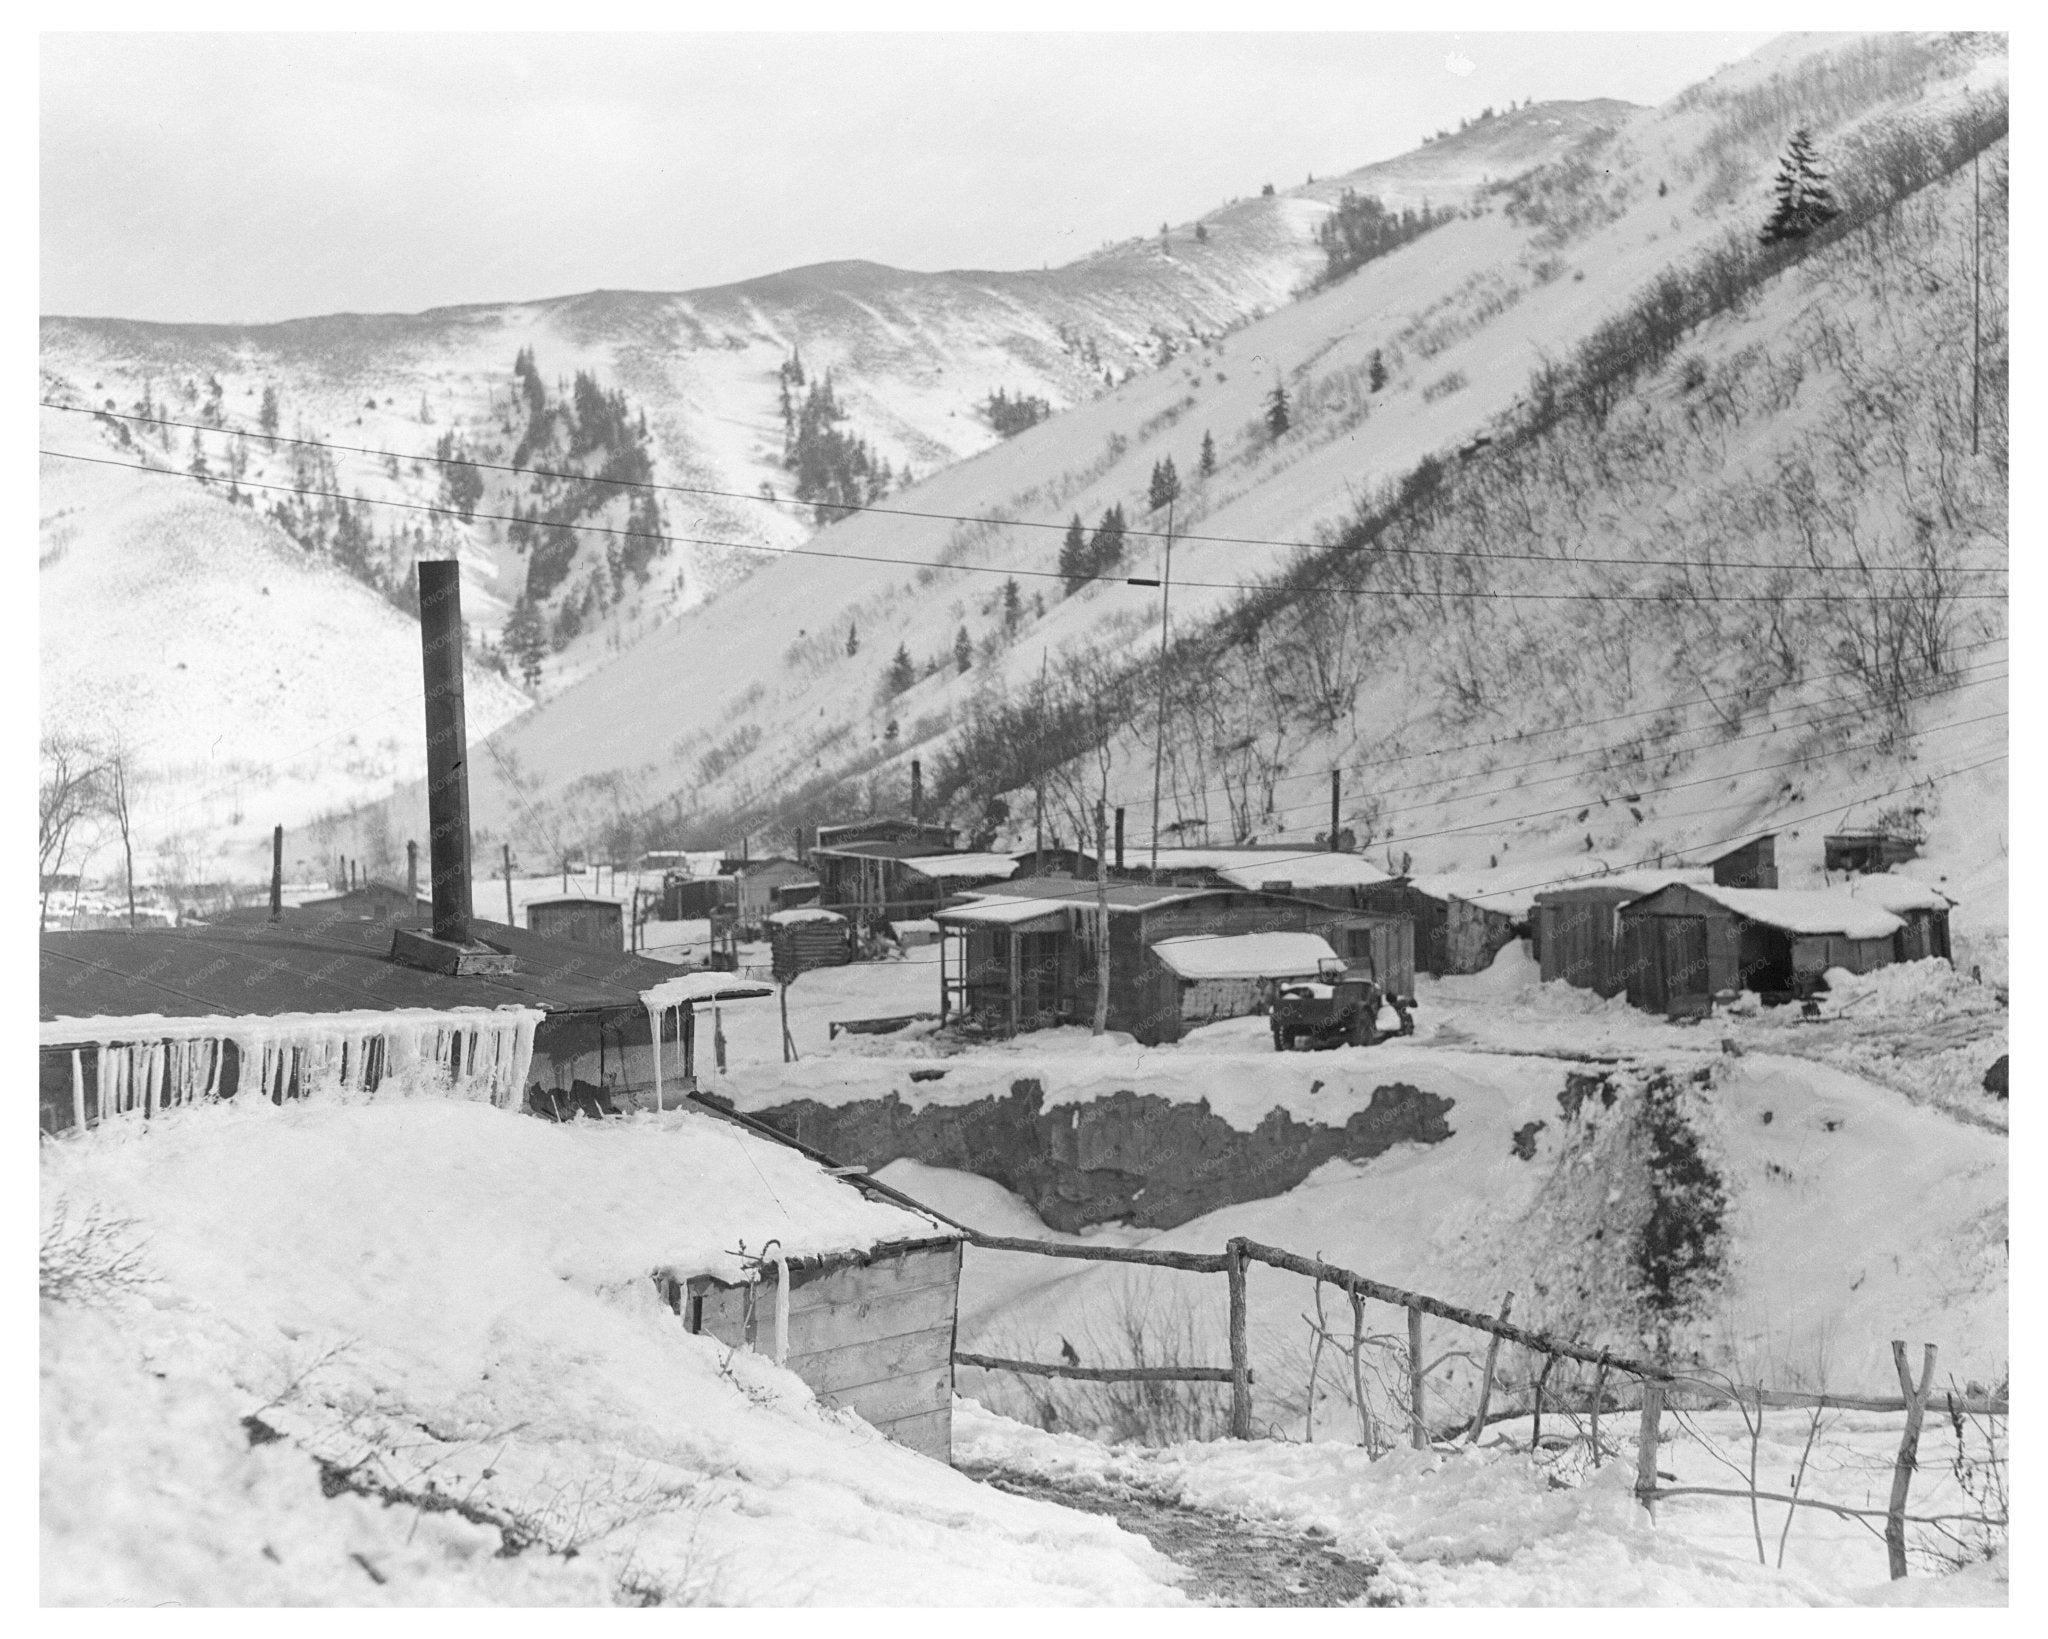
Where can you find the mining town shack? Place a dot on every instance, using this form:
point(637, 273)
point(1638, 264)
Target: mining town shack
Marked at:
point(1022, 955)
point(1866, 851)
point(807, 937)
point(868, 1323)
point(1577, 926)
point(763, 886)
point(373, 901)
point(1460, 926)
point(155, 1017)
point(598, 924)
point(1924, 910)
point(1684, 944)
point(874, 881)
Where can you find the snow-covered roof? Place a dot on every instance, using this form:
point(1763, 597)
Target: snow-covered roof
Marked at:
point(1303, 870)
point(1245, 955)
point(1636, 882)
point(1898, 893)
point(1001, 911)
point(914, 924)
point(686, 988)
point(802, 913)
point(1805, 910)
point(1476, 888)
point(943, 867)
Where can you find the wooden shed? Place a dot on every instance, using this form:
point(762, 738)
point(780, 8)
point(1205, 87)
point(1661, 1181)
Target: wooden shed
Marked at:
point(1577, 926)
point(875, 882)
point(1867, 851)
point(760, 882)
point(1923, 908)
point(806, 938)
point(596, 924)
point(870, 1330)
point(1023, 956)
point(1687, 943)
point(1459, 926)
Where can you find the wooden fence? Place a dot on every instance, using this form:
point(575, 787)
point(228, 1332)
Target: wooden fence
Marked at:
point(1657, 1381)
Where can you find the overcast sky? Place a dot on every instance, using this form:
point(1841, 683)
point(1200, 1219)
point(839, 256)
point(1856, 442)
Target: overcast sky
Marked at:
point(251, 177)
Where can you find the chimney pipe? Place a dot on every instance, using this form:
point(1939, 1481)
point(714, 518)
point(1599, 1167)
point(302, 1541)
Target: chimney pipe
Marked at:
point(1119, 839)
point(276, 872)
point(412, 874)
point(440, 581)
point(916, 791)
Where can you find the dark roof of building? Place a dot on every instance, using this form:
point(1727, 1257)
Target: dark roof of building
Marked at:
point(861, 849)
point(362, 893)
point(1122, 895)
point(573, 899)
point(314, 963)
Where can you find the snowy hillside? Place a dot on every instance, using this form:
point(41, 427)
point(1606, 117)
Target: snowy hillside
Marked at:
point(1677, 597)
point(709, 385)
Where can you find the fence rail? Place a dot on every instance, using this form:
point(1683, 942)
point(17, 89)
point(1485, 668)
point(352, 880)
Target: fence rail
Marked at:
point(1657, 1381)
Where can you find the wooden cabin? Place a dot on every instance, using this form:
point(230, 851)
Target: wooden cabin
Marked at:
point(1577, 926)
point(598, 924)
point(1923, 909)
point(876, 882)
point(1327, 877)
point(760, 882)
point(1459, 926)
point(1866, 851)
point(308, 999)
point(1023, 956)
point(1689, 942)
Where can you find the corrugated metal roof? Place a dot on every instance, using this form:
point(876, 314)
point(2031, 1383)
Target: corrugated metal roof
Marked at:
point(307, 962)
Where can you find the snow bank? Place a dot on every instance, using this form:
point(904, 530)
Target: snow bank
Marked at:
point(449, 1294)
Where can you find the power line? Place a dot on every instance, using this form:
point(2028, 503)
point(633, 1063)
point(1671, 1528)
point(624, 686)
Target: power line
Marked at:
point(1588, 751)
point(1503, 820)
point(1746, 836)
point(845, 508)
point(1039, 574)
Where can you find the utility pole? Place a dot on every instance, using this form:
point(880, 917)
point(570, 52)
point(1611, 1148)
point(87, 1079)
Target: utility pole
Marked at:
point(510, 920)
point(1159, 738)
point(277, 873)
point(1038, 784)
point(1976, 289)
point(1101, 917)
point(1336, 796)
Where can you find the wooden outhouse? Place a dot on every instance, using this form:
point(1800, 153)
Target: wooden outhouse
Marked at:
point(1577, 926)
point(1688, 943)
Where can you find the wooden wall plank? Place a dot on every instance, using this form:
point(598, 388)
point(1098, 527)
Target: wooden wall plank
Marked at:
point(926, 1432)
point(900, 1396)
point(874, 1360)
point(835, 1326)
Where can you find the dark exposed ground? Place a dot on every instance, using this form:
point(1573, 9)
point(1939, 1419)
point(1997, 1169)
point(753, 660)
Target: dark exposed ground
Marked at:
point(1230, 1561)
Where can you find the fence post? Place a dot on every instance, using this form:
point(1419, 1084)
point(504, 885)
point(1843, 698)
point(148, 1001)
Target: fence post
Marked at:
point(1486, 1377)
point(1646, 1445)
point(1909, 1451)
point(1599, 1388)
point(1240, 1354)
point(1418, 1429)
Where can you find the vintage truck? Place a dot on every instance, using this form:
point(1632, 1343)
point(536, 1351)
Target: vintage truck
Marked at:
point(1339, 1008)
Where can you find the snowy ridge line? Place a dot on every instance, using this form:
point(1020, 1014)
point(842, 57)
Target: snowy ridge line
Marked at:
point(954, 517)
point(1055, 574)
point(148, 1062)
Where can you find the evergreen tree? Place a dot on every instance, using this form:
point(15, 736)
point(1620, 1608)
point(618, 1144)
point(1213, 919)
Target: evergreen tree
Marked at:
point(266, 418)
point(852, 638)
point(902, 670)
point(1073, 566)
point(1165, 483)
point(1013, 601)
point(1804, 202)
point(1207, 463)
point(525, 641)
point(1278, 416)
point(1376, 372)
point(1106, 545)
point(963, 649)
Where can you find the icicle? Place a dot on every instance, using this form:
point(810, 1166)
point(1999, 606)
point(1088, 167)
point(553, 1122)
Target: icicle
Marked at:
point(655, 1014)
point(149, 1080)
point(781, 1310)
point(77, 1090)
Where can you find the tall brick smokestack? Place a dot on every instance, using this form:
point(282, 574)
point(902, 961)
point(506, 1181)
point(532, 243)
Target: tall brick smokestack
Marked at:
point(447, 747)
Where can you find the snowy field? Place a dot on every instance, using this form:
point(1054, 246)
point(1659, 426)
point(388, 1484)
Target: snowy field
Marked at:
point(451, 1301)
